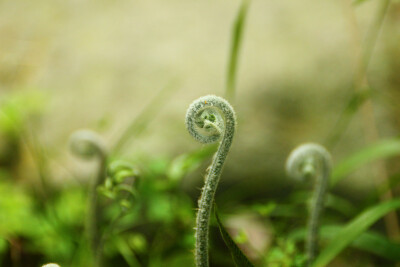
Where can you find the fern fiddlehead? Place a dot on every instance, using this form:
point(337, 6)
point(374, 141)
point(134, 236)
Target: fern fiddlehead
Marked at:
point(315, 162)
point(88, 145)
point(210, 119)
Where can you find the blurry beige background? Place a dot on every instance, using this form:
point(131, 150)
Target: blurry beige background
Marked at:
point(99, 63)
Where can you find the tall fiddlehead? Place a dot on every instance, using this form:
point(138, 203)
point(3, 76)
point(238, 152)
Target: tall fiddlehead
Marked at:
point(311, 161)
point(210, 119)
point(88, 145)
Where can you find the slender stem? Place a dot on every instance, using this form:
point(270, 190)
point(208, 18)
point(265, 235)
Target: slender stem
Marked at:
point(141, 122)
point(369, 122)
point(236, 40)
point(94, 214)
point(205, 124)
point(363, 54)
point(88, 145)
point(370, 41)
point(321, 182)
point(105, 236)
point(305, 162)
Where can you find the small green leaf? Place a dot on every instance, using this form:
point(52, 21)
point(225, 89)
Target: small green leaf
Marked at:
point(242, 237)
point(125, 204)
point(353, 229)
point(122, 175)
point(382, 149)
point(238, 257)
point(264, 209)
point(138, 242)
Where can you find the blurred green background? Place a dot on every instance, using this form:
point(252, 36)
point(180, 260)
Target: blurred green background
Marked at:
point(320, 71)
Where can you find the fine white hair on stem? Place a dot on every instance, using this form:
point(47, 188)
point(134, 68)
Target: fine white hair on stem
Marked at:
point(313, 161)
point(210, 119)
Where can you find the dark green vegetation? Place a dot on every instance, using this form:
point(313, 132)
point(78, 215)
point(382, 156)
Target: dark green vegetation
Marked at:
point(132, 199)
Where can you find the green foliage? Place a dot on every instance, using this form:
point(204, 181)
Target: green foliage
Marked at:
point(17, 109)
point(367, 241)
point(352, 230)
point(120, 182)
point(285, 254)
point(17, 216)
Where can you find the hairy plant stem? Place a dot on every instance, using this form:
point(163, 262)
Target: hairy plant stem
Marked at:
point(205, 123)
point(94, 214)
point(104, 237)
point(312, 161)
point(88, 145)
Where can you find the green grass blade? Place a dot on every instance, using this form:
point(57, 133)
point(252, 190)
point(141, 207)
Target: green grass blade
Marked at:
point(352, 106)
point(140, 123)
point(369, 241)
point(236, 39)
point(238, 257)
point(382, 149)
point(354, 229)
point(379, 245)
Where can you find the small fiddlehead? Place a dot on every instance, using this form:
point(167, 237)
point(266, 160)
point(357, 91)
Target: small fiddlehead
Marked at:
point(305, 162)
point(87, 145)
point(210, 119)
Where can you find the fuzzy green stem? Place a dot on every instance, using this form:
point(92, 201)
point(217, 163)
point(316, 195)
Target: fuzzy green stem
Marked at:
point(88, 145)
point(312, 161)
point(94, 214)
point(205, 123)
